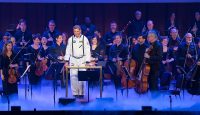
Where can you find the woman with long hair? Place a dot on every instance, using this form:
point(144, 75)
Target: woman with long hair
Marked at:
point(8, 67)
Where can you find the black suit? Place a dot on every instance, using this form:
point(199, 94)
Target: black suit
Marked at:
point(154, 61)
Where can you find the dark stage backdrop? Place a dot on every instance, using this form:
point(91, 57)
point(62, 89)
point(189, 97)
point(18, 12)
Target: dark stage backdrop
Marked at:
point(37, 15)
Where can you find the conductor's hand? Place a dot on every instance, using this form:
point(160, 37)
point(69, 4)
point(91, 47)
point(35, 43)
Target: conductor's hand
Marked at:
point(66, 64)
point(60, 57)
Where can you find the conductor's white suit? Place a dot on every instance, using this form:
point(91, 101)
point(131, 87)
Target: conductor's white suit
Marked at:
point(77, 53)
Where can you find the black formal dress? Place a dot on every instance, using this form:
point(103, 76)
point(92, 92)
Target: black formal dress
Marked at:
point(4, 65)
point(33, 78)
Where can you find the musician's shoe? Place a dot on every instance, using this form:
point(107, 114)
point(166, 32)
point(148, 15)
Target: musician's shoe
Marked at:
point(76, 96)
point(81, 96)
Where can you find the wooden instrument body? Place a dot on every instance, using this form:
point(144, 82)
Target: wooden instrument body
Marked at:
point(41, 67)
point(142, 80)
point(142, 77)
point(13, 74)
point(120, 72)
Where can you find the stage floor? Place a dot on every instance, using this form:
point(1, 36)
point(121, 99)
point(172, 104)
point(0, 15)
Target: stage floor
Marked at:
point(43, 99)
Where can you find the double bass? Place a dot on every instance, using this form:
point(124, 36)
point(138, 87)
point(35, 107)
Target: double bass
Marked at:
point(142, 77)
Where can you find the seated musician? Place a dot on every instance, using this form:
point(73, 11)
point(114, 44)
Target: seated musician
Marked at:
point(167, 66)
point(8, 60)
point(167, 58)
point(174, 39)
point(117, 56)
point(154, 58)
point(186, 54)
point(138, 51)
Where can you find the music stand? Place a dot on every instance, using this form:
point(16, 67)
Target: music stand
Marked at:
point(88, 75)
point(53, 70)
point(181, 71)
point(127, 77)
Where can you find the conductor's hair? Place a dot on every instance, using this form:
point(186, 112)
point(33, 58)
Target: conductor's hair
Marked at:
point(77, 27)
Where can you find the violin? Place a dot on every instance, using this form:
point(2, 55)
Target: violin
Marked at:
point(41, 66)
point(12, 75)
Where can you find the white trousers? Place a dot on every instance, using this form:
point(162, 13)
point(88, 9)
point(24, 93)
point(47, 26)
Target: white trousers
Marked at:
point(77, 87)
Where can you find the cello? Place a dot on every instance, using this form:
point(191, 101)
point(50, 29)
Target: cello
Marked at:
point(142, 77)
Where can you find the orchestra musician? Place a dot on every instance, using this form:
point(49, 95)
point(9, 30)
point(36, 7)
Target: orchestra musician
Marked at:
point(117, 56)
point(9, 69)
point(51, 33)
point(109, 36)
point(171, 23)
point(22, 35)
point(174, 40)
point(154, 59)
point(137, 25)
point(167, 67)
point(88, 28)
point(150, 27)
point(138, 51)
point(167, 58)
point(56, 54)
point(77, 54)
point(195, 25)
point(33, 58)
point(65, 38)
point(5, 38)
point(186, 54)
point(97, 50)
